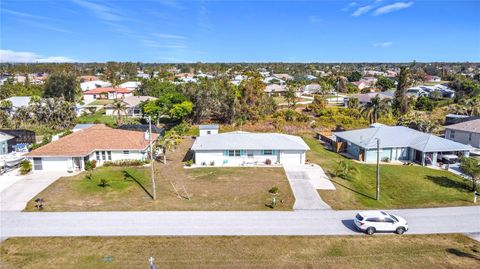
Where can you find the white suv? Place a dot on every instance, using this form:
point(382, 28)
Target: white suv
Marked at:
point(373, 221)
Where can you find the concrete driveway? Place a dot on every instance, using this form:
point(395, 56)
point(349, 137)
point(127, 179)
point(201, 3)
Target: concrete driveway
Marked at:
point(225, 223)
point(16, 196)
point(306, 195)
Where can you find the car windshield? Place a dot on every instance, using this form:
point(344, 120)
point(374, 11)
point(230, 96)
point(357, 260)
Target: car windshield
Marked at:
point(359, 217)
point(393, 217)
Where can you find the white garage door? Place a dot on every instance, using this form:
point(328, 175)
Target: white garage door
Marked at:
point(290, 158)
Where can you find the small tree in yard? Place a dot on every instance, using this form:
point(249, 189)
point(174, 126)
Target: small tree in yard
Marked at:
point(89, 166)
point(25, 167)
point(471, 167)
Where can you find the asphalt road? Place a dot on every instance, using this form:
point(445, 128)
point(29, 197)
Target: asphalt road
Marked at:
point(197, 223)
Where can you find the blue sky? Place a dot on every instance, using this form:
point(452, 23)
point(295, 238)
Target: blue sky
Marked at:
point(239, 31)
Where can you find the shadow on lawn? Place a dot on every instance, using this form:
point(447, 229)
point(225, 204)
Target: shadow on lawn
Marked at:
point(127, 175)
point(462, 254)
point(350, 189)
point(449, 183)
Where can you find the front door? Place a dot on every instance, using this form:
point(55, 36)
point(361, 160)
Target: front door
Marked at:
point(77, 163)
point(250, 154)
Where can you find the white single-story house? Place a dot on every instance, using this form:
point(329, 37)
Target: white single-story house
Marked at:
point(208, 129)
point(467, 132)
point(4, 142)
point(133, 85)
point(93, 84)
point(133, 106)
point(244, 148)
point(106, 93)
point(18, 102)
point(397, 143)
point(97, 142)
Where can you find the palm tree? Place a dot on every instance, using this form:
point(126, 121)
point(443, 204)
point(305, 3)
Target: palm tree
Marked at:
point(375, 108)
point(119, 108)
point(170, 140)
point(353, 103)
point(345, 169)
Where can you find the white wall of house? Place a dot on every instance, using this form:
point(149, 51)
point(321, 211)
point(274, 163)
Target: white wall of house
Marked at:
point(67, 163)
point(467, 138)
point(208, 132)
point(131, 112)
point(88, 98)
point(245, 157)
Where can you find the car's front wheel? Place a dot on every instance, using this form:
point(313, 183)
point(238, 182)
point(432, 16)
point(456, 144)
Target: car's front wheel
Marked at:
point(370, 230)
point(400, 230)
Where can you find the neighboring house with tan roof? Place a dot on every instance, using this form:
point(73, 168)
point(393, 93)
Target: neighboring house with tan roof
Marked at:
point(97, 142)
point(467, 132)
point(133, 106)
point(110, 93)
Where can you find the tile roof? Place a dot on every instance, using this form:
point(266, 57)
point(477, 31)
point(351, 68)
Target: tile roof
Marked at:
point(107, 90)
point(249, 141)
point(399, 137)
point(96, 137)
point(472, 126)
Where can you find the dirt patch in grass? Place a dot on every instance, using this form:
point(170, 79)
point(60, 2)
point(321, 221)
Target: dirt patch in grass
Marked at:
point(408, 251)
point(131, 188)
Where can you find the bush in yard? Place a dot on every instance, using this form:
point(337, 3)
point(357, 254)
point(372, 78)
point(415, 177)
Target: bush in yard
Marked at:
point(274, 190)
point(346, 170)
point(386, 159)
point(25, 167)
point(268, 162)
point(124, 163)
point(103, 183)
point(189, 163)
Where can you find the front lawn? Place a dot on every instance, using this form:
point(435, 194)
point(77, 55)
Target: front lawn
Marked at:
point(400, 186)
point(408, 251)
point(130, 188)
point(98, 117)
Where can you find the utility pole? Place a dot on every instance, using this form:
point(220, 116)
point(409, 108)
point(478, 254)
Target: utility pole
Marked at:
point(377, 196)
point(151, 156)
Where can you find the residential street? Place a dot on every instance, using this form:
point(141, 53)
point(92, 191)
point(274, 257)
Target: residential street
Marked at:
point(196, 223)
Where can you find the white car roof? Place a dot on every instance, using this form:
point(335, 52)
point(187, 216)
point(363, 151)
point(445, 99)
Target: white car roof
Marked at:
point(373, 213)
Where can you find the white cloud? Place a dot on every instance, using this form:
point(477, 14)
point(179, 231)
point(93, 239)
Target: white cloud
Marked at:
point(347, 8)
point(169, 36)
point(11, 56)
point(362, 10)
point(383, 44)
point(100, 11)
point(392, 7)
point(22, 14)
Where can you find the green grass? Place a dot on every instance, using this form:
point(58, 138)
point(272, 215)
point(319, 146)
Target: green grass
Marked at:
point(118, 180)
point(98, 117)
point(408, 251)
point(400, 186)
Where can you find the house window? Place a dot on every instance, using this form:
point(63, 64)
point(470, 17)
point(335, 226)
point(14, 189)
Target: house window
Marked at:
point(209, 132)
point(109, 155)
point(452, 133)
point(103, 156)
point(470, 137)
point(37, 164)
point(97, 155)
point(94, 96)
point(126, 152)
point(268, 152)
point(234, 153)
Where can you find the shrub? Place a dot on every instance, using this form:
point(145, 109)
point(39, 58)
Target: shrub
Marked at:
point(103, 183)
point(123, 163)
point(25, 167)
point(274, 190)
point(189, 163)
point(90, 165)
point(212, 163)
point(268, 162)
point(386, 159)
